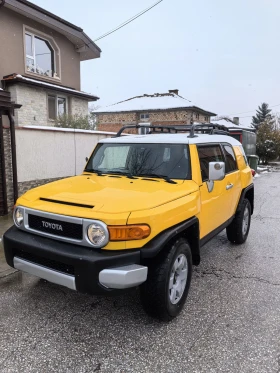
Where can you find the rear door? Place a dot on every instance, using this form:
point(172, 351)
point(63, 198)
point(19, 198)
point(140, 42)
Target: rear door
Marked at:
point(233, 180)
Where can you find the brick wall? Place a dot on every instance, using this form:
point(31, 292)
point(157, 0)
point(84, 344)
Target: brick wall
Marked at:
point(114, 121)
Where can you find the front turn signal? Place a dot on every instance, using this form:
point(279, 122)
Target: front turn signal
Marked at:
point(128, 232)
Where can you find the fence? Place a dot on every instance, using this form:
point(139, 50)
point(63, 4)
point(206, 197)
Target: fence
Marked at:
point(45, 154)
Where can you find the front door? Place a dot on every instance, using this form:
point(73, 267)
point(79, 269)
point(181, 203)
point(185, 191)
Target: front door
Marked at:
point(216, 202)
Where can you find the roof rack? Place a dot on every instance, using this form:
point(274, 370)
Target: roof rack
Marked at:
point(208, 128)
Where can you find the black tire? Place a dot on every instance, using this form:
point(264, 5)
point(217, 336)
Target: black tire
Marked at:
point(235, 232)
point(155, 293)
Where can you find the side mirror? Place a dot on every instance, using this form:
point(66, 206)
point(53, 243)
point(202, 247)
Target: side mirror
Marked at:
point(86, 159)
point(216, 171)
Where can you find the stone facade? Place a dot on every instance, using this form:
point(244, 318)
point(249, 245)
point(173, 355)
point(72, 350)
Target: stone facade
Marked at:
point(34, 101)
point(78, 106)
point(114, 121)
point(34, 105)
point(8, 168)
point(24, 186)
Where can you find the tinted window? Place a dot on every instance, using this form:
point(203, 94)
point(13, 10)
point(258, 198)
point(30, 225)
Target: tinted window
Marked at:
point(231, 164)
point(207, 154)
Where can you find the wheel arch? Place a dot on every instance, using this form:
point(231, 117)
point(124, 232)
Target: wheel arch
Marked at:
point(188, 229)
point(247, 193)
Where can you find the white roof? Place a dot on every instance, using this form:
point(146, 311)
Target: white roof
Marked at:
point(171, 139)
point(149, 102)
point(227, 123)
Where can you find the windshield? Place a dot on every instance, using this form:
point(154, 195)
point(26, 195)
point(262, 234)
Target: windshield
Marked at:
point(170, 160)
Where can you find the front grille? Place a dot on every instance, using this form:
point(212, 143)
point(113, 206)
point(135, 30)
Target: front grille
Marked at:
point(52, 264)
point(56, 227)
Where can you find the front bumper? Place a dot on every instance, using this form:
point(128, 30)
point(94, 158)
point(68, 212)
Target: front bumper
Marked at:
point(86, 270)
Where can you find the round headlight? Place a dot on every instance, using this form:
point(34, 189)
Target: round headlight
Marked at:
point(18, 216)
point(98, 234)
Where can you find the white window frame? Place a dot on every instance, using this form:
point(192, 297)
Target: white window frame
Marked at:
point(146, 117)
point(57, 96)
point(56, 50)
point(33, 51)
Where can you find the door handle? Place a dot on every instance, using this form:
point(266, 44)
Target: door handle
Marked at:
point(229, 186)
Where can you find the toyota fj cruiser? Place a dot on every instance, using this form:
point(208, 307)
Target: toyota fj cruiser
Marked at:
point(137, 215)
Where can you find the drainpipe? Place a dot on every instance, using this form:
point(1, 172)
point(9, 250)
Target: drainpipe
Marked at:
point(14, 156)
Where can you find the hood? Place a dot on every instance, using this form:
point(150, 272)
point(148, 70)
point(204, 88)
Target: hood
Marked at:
point(106, 194)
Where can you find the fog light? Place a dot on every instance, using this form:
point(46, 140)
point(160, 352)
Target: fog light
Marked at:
point(98, 234)
point(18, 216)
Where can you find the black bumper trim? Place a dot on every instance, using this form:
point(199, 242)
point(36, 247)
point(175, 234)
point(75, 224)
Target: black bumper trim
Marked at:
point(87, 263)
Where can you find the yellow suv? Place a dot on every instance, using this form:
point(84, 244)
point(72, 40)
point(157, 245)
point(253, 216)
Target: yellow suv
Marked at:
point(137, 215)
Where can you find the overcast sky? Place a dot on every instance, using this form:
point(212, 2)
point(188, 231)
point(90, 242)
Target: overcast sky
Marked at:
point(222, 55)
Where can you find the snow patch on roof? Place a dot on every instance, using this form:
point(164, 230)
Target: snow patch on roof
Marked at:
point(54, 86)
point(227, 122)
point(157, 101)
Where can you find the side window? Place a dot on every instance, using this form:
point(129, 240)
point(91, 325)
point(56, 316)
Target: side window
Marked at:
point(207, 154)
point(231, 164)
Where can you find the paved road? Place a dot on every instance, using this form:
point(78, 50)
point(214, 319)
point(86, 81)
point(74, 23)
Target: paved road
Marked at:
point(231, 322)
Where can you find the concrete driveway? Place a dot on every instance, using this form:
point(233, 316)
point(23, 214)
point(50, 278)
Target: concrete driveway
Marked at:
point(231, 322)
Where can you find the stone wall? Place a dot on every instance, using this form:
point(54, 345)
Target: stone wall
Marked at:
point(78, 106)
point(114, 121)
point(27, 185)
point(34, 105)
point(8, 167)
point(34, 101)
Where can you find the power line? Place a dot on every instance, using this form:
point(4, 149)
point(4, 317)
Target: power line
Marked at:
point(128, 21)
point(251, 111)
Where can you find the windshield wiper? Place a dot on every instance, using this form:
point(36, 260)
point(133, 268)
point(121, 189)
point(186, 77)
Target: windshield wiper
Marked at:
point(165, 177)
point(101, 173)
point(94, 171)
point(127, 174)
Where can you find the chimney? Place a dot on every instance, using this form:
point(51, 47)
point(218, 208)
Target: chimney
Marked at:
point(176, 91)
point(236, 120)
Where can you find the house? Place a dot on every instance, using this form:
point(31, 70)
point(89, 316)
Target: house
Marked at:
point(40, 63)
point(158, 108)
point(231, 122)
